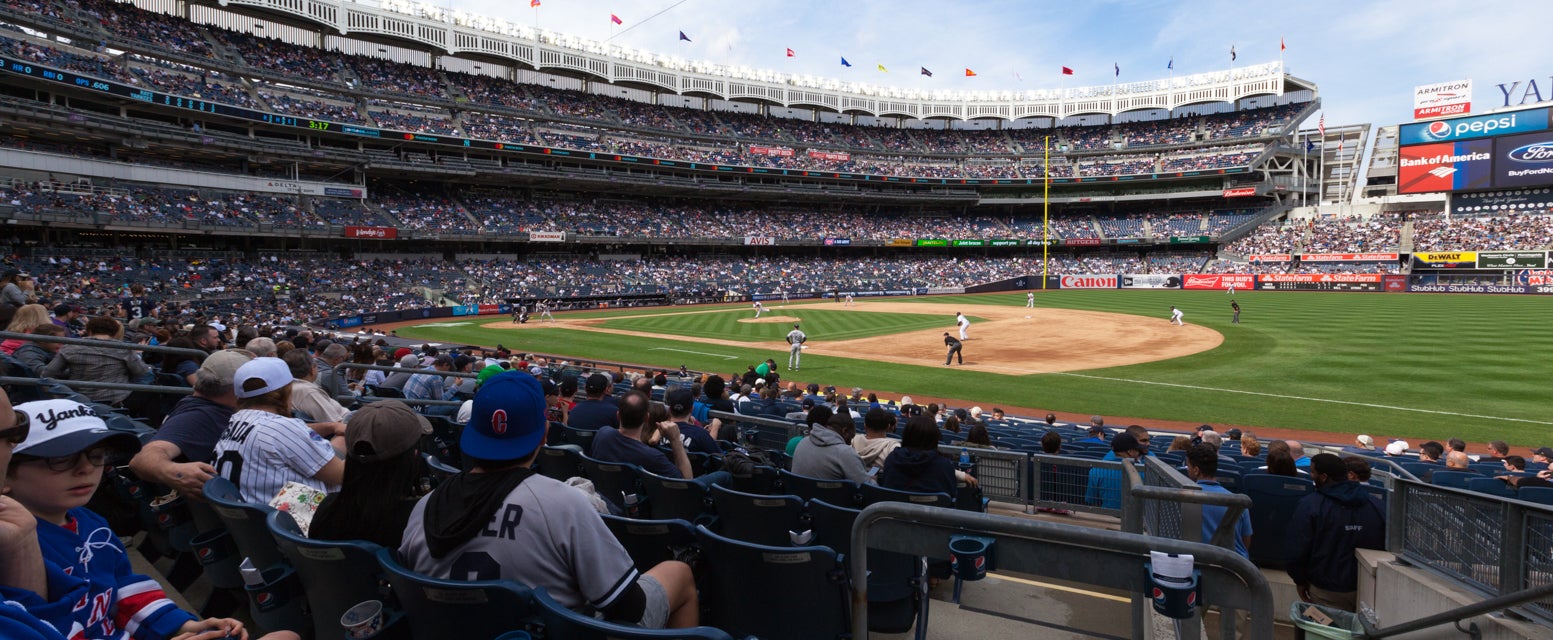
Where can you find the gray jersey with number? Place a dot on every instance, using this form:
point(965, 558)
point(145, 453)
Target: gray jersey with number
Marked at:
point(546, 534)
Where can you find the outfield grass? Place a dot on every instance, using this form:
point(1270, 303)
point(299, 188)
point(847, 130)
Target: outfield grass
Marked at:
point(1422, 365)
point(832, 324)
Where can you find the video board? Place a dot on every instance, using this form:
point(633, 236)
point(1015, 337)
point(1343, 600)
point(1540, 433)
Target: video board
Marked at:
point(1491, 151)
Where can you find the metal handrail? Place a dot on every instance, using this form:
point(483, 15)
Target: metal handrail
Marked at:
point(112, 344)
point(92, 384)
point(1111, 559)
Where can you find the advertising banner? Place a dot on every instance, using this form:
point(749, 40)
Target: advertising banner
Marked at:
point(1348, 257)
point(1468, 128)
point(759, 241)
point(1484, 202)
point(899, 242)
point(1088, 281)
point(1081, 241)
point(932, 242)
point(1512, 260)
point(782, 152)
point(1319, 277)
point(1442, 99)
point(345, 323)
point(1447, 259)
point(547, 236)
point(1240, 281)
point(1524, 160)
point(487, 309)
point(1269, 257)
point(1149, 281)
point(1003, 242)
point(970, 243)
point(1394, 283)
point(375, 233)
point(830, 155)
point(1446, 166)
point(838, 242)
point(1188, 239)
point(1478, 288)
point(1240, 192)
point(1321, 281)
point(466, 309)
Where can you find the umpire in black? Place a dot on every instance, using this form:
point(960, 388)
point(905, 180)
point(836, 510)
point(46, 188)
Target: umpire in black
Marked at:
point(954, 349)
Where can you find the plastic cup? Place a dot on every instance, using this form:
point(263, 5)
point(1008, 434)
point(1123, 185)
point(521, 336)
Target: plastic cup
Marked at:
point(363, 620)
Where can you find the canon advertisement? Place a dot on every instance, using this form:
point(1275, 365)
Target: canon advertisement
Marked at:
point(1089, 281)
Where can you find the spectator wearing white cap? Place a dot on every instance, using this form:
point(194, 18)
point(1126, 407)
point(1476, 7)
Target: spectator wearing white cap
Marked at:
point(1362, 445)
point(1397, 448)
point(263, 447)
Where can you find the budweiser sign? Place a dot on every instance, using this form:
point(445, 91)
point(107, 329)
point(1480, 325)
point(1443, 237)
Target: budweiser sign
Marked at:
point(1088, 281)
point(1217, 281)
point(830, 155)
point(1274, 257)
point(1320, 277)
point(1348, 257)
point(771, 151)
point(1240, 192)
point(378, 233)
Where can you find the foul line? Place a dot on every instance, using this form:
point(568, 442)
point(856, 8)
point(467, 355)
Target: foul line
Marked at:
point(1288, 397)
point(699, 353)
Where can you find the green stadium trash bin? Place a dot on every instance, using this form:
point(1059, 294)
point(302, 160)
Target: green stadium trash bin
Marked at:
point(1345, 624)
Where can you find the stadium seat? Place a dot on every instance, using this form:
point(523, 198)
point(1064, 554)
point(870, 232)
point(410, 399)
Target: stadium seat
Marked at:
point(1273, 499)
point(760, 519)
point(1539, 495)
point(439, 470)
point(559, 463)
point(673, 498)
point(1421, 469)
point(1490, 486)
point(650, 542)
point(763, 480)
point(580, 437)
point(1488, 468)
point(802, 592)
point(612, 480)
point(837, 492)
point(1453, 479)
point(339, 574)
point(1228, 479)
point(558, 622)
point(872, 493)
point(896, 585)
point(439, 608)
point(247, 524)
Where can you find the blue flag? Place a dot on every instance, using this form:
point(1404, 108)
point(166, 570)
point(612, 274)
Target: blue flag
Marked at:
point(1171, 64)
point(844, 62)
point(1118, 69)
point(684, 37)
point(1309, 146)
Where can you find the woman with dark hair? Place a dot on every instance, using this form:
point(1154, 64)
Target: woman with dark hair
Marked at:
point(951, 424)
point(382, 476)
point(1051, 443)
point(181, 365)
point(916, 465)
point(1281, 463)
point(978, 437)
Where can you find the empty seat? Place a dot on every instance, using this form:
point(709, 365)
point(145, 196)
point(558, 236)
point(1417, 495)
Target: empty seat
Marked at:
point(1273, 499)
point(1453, 479)
point(1490, 486)
point(650, 542)
point(338, 573)
point(673, 498)
point(842, 493)
point(612, 480)
point(1539, 495)
point(558, 463)
point(439, 608)
point(774, 593)
point(871, 493)
point(580, 437)
point(761, 519)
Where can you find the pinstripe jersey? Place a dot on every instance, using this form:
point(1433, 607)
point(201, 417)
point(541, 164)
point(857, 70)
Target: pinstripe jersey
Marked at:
point(260, 452)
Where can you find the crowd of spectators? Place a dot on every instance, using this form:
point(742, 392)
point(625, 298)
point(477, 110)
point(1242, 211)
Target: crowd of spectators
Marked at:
point(293, 103)
point(401, 118)
point(1355, 234)
point(1504, 232)
point(167, 32)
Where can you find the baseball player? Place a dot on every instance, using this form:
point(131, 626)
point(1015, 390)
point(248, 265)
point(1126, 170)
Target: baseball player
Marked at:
point(1230, 289)
point(544, 310)
point(759, 309)
point(849, 299)
point(1175, 317)
point(954, 349)
point(1030, 300)
point(784, 296)
point(964, 323)
point(1235, 306)
point(795, 340)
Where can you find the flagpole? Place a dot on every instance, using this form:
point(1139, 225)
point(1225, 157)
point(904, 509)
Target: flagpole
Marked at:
point(1046, 200)
point(1305, 173)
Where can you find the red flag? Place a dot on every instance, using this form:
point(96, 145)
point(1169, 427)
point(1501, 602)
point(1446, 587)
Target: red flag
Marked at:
point(969, 73)
point(1281, 45)
point(790, 53)
point(1321, 125)
point(615, 19)
point(533, 3)
point(1066, 71)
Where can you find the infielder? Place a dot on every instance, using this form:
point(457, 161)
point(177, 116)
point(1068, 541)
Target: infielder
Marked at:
point(964, 323)
point(849, 300)
point(954, 349)
point(1175, 317)
point(1030, 300)
point(795, 340)
point(759, 309)
point(784, 296)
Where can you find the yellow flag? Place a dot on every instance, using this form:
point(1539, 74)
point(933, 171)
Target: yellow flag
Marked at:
point(882, 69)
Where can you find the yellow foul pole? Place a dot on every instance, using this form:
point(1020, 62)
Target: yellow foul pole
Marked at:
point(1046, 193)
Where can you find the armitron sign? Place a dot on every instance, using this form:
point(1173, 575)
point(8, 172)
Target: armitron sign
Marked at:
point(1442, 99)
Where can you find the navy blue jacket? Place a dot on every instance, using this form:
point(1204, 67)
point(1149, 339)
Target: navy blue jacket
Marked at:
point(919, 471)
point(1326, 528)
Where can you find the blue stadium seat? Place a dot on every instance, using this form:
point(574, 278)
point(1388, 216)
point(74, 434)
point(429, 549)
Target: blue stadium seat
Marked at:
point(763, 480)
point(438, 608)
point(650, 542)
point(1228, 479)
point(896, 582)
point(280, 602)
point(580, 437)
point(1273, 499)
point(1488, 468)
point(802, 592)
point(1539, 495)
point(842, 493)
point(1421, 469)
point(1490, 486)
point(559, 622)
point(440, 471)
point(760, 519)
point(673, 498)
point(1453, 479)
point(612, 480)
point(338, 574)
point(559, 463)
point(872, 493)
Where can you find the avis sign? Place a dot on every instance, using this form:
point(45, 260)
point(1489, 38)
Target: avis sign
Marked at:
point(1442, 99)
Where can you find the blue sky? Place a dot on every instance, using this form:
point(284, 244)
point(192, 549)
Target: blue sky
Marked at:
point(1366, 57)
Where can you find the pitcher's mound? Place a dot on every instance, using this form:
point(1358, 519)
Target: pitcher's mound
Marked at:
point(770, 319)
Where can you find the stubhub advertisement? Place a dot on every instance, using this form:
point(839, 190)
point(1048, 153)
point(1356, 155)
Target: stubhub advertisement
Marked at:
point(1496, 124)
point(1524, 160)
point(1447, 166)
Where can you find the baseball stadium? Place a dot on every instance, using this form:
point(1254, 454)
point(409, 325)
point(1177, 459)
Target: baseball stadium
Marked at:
point(397, 320)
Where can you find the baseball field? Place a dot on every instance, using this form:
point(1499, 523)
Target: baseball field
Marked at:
point(1421, 365)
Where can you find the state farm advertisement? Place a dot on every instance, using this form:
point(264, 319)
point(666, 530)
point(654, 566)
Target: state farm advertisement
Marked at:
point(1348, 257)
point(1446, 166)
point(375, 233)
point(1089, 281)
point(1269, 257)
point(1442, 99)
point(1321, 282)
point(1218, 281)
point(1320, 277)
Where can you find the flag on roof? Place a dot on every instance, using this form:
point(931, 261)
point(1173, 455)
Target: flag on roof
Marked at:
point(926, 72)
point(882, 69)
point(1309, 146)
point(615, 19)
point(790, 52)
point(1118, 66)
point(844, 62)
point(1232, 53)
point(533, 3)
point(969, 73)
point(1066, 71)
point(1171, 64)
point(1281, 45)
point(684, 37)
point(1321, 125)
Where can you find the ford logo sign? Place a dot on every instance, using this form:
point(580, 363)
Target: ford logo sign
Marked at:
point(1534, 152)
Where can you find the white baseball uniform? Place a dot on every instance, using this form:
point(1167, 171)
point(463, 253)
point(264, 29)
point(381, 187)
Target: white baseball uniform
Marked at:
point(964, 323)
point(1030, 300)
point(1175, 316)
point(849, 299)
point(759, 309)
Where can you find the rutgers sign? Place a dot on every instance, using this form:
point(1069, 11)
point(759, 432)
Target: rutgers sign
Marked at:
point(1088, 281)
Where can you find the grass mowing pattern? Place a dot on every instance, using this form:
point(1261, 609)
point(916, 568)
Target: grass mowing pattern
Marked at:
point(1463, 355)
point(818, 323)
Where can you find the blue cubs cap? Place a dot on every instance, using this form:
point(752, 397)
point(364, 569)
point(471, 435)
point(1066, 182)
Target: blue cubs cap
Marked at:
point(507, 421)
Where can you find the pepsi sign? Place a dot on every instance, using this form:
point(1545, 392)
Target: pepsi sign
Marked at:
point(1497, 124)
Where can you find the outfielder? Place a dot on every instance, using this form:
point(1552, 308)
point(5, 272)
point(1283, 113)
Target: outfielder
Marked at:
point(1230, 289)
point(759, 309)
point(1175, 317)
point(795, 340)
point(784, 296)
point(964, 323)
point(1030, 300)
